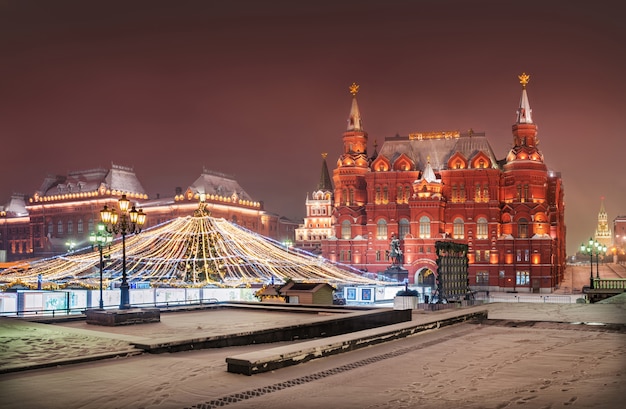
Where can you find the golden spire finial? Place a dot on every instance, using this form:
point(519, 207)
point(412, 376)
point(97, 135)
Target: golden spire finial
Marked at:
point(354, 88)
point(523, 79)
point(324, 155)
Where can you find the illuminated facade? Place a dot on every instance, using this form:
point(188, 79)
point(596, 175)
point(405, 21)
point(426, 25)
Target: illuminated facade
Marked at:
point(431, 186)
point(14, 229)
point(619, 241)
point(318, 222)
point(61, 215)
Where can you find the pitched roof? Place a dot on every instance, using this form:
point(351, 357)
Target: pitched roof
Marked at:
point(437, 150)
point(216, 183)
point(16, 206)
point(119, 178)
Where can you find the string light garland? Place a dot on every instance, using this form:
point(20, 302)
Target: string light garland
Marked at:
point(190, 251)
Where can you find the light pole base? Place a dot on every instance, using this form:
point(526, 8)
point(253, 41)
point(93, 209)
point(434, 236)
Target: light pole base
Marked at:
point(124, 296)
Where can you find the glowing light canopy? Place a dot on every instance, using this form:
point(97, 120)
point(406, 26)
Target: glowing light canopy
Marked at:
point(195, 250)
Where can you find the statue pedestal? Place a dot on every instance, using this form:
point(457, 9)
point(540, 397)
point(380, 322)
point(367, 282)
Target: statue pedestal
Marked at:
point(408, 302)
point(396, 273)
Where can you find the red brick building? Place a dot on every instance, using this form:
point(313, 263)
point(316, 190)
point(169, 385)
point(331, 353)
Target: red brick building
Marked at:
point(431, 186)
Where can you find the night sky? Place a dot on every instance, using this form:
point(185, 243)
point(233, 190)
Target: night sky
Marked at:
point(259, 89)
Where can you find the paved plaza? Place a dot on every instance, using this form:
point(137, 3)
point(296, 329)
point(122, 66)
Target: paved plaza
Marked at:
point(535, 355)
point(526, 355)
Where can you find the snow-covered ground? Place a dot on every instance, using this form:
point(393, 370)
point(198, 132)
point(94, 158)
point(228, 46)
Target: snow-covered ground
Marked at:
point(560, 356)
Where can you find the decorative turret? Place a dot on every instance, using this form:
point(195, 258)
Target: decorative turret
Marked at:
point(525, 139)
point(354, 122)
point(355, 138)
point(325, 183)
point(429, 174)
point(318, 222)
point(427, 185)
point(353, 164)
point(524, 112)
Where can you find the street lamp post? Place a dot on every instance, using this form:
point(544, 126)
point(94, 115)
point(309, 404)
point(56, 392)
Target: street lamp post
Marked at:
point(589, 250)
point(70, 246)
point(599, 248)
point(126, 222)
point(101, 238)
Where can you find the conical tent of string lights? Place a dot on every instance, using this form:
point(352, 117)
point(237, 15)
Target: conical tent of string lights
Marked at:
point(189, 251)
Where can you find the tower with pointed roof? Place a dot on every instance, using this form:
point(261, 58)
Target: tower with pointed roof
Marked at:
point(449, 185)
point(532, 219)
point(317, 224)
point(603, 233)
point(353, 164)
point(349, 178)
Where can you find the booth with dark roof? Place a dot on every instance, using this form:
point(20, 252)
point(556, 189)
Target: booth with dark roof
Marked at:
point(298, 293)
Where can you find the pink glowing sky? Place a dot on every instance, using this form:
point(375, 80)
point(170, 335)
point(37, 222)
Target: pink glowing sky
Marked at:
point(259, 89)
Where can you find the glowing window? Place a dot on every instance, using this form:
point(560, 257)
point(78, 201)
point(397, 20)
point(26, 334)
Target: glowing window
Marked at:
point(522, 228)
point(407, 193)
point(346, 229)
point(458, 228)
point(424, 227)
point(381, 230)
point(482, 228)
point(403, 228)
point(482, 277)
point(522, 278)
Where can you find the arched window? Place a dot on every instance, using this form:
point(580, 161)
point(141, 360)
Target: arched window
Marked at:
point(60, 227)
point(458, 229)
point(50, 228)
point(346, 229)
point(381, 229)
point(482, 228)
point(70, 227)
point(403, 228)
point(385, 194)
point(79, 225)
point(90, 225)
point(377, 195)
point(424, 227)
point(522, 228)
